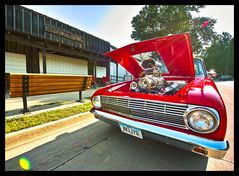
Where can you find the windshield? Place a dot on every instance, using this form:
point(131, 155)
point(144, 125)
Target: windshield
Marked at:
point(198, 67)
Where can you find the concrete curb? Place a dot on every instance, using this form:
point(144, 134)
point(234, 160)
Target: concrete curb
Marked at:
point(17, 138)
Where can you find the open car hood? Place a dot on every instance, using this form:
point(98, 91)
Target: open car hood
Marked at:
point(175, 51)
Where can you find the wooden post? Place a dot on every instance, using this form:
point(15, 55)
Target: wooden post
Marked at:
point(44, 60)
point(94, 68)
point(96, 85)
point(108, 68)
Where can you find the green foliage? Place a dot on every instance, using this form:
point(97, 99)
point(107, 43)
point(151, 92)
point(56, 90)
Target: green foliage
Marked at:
point(220, 56)
point(161, 20)
point(38, 119)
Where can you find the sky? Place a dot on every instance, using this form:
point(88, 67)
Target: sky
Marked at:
point(113, 22)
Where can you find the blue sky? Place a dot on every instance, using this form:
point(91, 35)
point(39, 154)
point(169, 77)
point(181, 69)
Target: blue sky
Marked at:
point(113, 22)
point(84, 17)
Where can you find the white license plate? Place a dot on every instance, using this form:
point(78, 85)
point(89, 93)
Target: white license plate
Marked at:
point(131, 130)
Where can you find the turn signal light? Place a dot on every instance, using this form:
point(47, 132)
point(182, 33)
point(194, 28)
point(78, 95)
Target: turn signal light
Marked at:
point(200, 150)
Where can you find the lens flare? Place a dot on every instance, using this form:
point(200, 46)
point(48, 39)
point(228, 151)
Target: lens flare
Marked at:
point(25, 163)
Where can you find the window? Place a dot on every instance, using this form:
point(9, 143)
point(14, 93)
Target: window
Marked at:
point(199, 71)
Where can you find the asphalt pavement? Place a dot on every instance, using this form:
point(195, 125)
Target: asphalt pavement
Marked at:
point(100, 146)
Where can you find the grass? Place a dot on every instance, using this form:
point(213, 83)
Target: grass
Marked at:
point(44, 117)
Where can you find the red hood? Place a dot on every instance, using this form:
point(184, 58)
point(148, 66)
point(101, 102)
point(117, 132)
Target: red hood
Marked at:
point(175, 51)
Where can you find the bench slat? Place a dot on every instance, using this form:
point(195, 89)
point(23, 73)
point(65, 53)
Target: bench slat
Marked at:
point(19, 94)
point(53, 87)
point(54, 76)
point(16, 85)
point(13, 80)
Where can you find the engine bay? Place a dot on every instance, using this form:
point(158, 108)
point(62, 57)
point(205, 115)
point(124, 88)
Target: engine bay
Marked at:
point(152, 82)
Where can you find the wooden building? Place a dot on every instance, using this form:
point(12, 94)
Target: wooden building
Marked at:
point(36, 43)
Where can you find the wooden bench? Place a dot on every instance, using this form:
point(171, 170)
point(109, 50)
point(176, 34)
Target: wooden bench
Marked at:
point(23, 85)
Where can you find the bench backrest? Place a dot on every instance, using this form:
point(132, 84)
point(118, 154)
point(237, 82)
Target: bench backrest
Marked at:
point(40, 84)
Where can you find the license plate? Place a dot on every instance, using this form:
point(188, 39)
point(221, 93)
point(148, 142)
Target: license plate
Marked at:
point(131, 130)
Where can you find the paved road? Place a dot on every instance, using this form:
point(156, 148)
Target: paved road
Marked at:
point(99, 146)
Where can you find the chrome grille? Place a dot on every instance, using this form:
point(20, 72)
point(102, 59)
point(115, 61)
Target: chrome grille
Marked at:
point(152, 111)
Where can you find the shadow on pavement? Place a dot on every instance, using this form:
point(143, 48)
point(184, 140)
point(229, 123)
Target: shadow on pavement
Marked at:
point(33, 108)
point(100, 146)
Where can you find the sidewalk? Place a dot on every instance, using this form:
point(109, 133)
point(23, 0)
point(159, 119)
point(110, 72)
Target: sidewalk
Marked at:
point(36, 104)
point(43, 103)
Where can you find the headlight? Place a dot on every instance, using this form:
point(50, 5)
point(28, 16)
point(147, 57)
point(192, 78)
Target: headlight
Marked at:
point(201, 120)
point(96, 101)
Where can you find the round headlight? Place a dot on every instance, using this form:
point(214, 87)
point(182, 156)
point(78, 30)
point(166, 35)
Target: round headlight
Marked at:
point(96, 102)
point(201, 120)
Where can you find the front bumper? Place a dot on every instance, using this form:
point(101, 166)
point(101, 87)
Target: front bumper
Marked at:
point(202, 146)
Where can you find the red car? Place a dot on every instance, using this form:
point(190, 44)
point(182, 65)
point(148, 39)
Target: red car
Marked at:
point(170, 99)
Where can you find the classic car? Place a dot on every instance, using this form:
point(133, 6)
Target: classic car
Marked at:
point(225, 78)
point(170, 99)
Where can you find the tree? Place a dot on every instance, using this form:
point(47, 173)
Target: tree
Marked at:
point(231, 57)
point(220, 55)
point(161, 20)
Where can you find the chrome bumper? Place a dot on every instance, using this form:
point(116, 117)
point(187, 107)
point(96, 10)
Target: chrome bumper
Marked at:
point(202, 146)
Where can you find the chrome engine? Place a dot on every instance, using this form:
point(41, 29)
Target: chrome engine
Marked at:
point(151, 81)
